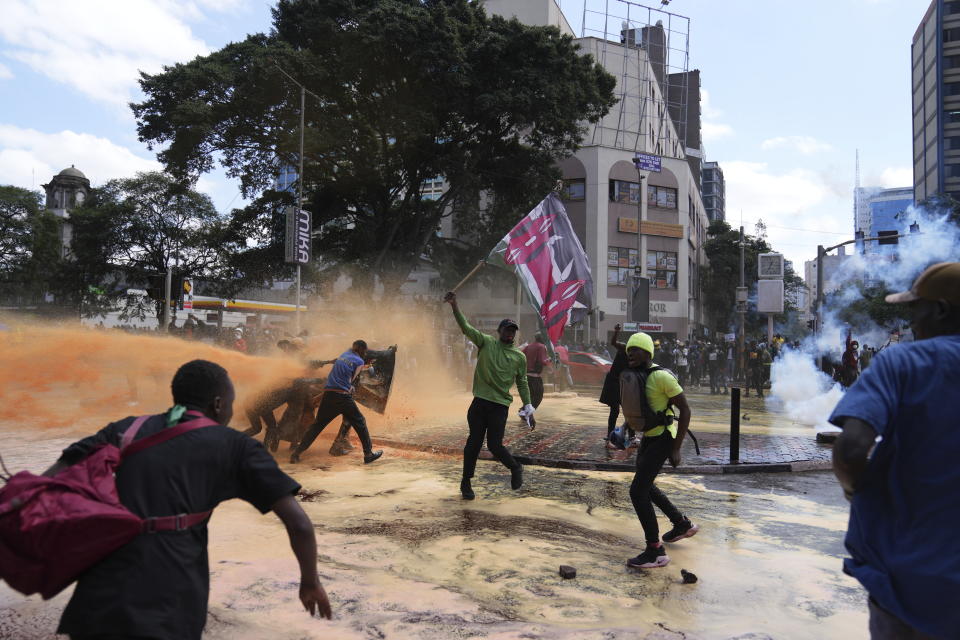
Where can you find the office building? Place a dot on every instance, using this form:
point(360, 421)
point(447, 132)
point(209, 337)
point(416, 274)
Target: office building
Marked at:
point(935, 58)
point(660, 228)
point(714, 192)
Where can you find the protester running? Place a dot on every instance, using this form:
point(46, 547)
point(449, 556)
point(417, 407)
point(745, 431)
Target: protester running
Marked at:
point(663, 435)
point(338, 400)
point(499, 365)
point(897, 463)
point(157, 585)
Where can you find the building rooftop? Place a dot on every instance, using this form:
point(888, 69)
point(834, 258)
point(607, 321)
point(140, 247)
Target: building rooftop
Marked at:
point(72, 171)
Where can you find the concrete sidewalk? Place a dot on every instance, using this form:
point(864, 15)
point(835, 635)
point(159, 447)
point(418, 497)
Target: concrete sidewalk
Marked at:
point(770, 445)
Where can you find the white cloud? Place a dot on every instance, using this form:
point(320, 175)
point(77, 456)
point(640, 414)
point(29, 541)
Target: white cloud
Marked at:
point(807, 145)
point(29, 158)
point(788, 202)
point(98, 47)
point(710, 129)
point(5, 73)
point(892, 177)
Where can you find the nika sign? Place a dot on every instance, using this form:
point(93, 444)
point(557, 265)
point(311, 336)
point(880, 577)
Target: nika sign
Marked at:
point(298, 236)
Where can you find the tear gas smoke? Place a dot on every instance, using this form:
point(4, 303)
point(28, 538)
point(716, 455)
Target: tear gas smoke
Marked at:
point(808, 394)
point(57, 376)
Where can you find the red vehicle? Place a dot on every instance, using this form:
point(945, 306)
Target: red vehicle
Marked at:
point(586, 369)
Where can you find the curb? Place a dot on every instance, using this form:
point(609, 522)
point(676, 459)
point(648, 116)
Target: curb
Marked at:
point(625, 467)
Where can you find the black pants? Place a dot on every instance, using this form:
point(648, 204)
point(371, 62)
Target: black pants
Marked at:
point(755, 381)
point(536, 390)
point(332, 405)
point(644, 493)
point(714, 371)
point(886, 626)
point(486, 419)
point(612, 418)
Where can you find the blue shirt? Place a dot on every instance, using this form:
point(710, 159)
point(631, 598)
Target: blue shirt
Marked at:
point(344, 370)
point(905, 515)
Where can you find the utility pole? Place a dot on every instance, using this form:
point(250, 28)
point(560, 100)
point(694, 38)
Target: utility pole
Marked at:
point(303, 106)
point(741, 309)
point(166, 299)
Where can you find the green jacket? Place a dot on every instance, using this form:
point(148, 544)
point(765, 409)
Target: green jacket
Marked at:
point(498, 366)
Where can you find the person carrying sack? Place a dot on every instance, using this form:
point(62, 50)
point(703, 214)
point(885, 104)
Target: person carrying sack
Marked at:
point(157, 584)
point(648, 395)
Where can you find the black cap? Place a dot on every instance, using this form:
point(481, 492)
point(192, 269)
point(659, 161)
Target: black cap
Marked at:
point(507, 322)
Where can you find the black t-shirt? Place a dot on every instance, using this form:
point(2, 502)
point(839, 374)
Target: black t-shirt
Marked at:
point(157, 585)
point(610, 393)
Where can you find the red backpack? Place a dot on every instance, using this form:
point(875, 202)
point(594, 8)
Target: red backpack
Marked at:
point(53, 529)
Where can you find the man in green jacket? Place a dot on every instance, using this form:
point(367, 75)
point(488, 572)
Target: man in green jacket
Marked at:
point(499, 364)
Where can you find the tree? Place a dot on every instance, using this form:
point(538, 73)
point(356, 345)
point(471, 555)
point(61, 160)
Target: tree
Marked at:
point(723, 277)
point(130, 229)
point(401, 92)
point(29, 246)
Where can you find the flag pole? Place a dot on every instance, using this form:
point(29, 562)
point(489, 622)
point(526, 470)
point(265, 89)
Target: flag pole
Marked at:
point(469, 275)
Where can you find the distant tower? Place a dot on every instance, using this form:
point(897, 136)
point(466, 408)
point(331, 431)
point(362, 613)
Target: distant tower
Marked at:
point(68, 189)
point(857, 223)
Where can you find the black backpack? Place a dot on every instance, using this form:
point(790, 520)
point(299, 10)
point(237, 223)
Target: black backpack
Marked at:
point(635, 406)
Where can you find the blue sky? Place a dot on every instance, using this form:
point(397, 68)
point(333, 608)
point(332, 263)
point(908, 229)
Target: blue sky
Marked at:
point(791, 90)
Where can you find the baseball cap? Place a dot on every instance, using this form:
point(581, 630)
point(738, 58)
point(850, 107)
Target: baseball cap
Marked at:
point(940, 281)
point(507, 322)
point(641, 340)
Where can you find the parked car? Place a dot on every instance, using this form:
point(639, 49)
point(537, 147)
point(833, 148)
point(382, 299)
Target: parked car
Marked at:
point(586, 369)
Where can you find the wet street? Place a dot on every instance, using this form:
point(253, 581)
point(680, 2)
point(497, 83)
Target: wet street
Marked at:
point(404, 557)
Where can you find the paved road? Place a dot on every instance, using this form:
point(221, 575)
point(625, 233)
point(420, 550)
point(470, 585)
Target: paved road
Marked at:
point(404, 557)
point(570, 431)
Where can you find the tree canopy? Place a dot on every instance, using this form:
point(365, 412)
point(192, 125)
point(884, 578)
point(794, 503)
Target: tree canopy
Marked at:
point(29, 245)
point(723, 276)
point(132, 228)
point(399, 92)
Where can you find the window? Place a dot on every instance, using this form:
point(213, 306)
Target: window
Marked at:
point(951, 35)
point(574, 189)
point(663, 197)
point(952, 143)
point(951, 62)
point(953, 117)
point(951, 89)
point(950, 8)
point(953, 171)
point(624, 192)
point(662, 269)
point(621, 262)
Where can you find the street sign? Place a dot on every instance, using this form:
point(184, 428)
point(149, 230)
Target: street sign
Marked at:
point(298, 232)
point(647, 162)
point(188, 293)
point(646, 327)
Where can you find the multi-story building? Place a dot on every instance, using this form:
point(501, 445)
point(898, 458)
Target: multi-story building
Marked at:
point(714, 192)
point(936, 101)
point(831, 277)
point(627, 218)
point(883, 217)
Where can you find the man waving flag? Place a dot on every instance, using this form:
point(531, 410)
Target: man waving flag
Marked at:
point(548, 258)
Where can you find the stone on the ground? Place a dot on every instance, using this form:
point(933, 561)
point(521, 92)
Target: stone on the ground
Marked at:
point(567, 572)
point(688, 578)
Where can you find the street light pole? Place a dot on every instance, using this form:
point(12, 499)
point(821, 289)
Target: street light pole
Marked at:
point(303, 106)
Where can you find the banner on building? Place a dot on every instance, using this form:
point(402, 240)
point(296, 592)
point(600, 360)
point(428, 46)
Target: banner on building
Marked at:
point(298, 231)
point(547, 256)
point(187, 293)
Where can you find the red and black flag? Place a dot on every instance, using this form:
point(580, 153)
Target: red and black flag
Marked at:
point(548, 258)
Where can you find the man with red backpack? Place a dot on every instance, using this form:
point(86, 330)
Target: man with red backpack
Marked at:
point(157, 585)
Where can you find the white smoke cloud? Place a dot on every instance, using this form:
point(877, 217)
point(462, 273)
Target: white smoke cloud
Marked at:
point(810, 395)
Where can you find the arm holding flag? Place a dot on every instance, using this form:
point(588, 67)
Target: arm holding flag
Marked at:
point(475, 336)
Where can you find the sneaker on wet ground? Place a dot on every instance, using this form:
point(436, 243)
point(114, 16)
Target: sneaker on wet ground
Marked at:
point(466, 490)
point(516, 477)
point(681, 530)
point(651, 557)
